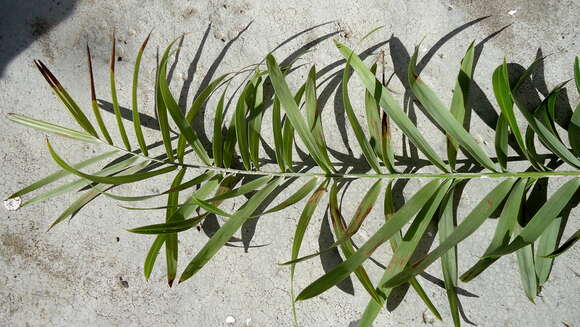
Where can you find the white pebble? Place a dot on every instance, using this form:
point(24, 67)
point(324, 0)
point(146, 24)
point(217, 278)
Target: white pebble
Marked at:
point(512, 12)
point(230, 320)
point(248, 322)
point(12, 204)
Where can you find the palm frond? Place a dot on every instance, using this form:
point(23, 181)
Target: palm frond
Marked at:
point(233, 169)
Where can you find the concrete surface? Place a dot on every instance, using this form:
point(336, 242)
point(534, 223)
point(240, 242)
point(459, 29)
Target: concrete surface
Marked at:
point(89, 272)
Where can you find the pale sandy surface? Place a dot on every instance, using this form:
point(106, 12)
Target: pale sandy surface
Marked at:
point(89, 271)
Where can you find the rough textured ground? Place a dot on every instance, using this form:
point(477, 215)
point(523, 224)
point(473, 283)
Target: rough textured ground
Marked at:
point(89, 271)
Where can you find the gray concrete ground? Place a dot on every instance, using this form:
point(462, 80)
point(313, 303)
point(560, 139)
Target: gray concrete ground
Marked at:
point(89, 271)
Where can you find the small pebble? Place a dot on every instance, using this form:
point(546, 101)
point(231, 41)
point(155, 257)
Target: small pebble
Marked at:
point(230, 320)
point(248, 322)
point(124, 283)
point(512, 12)
point(12, 204)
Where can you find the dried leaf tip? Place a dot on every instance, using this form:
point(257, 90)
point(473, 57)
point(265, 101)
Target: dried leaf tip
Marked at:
point(145, 42)
point(48, 76)
point(91, 77)
point(39, 67)
point(113, 53)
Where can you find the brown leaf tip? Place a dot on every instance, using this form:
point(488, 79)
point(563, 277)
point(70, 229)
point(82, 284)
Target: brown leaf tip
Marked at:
point(113, 53)
point(92, 80)
point(48, 76)
point(145, 42)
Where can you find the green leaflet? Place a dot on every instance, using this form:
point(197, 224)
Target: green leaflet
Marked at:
point(197, 104)
point(66, 99)
point(192, 182)
point(371, 33)
point(542, 219)
point(171, 105)
point(89, 195)
point(146, 208)
point(525, 258)
point(577, 74)
point(378, 128)
point(292, 112)
point(501, 141)
point(226, 185)
point(550, 140)
point(60, 174)
point(444, 118)
point(391, 107)
point(366, 147)
point(277, 132)
point(304, 220)
point(397, 239)
point(288, 132)
point(373, 117)
point(189, 206)
point(386, 145)
point(343, 270)
point(161, 111)
point(171, 245)
point(547, 110)
point(283, 132)
point(364, 208)
point(52, 128)
point(175, 222)
point(79, 183)
point(227, 230)
point(134, 109)
point(313, 114)
point(449, 259)
point(168, 228)
point(230, 143)
point(288, 143)
point(403, 249)
point(300, 194)
point(241, 123)
point(210, 207)
point(546, 244)
point(114, 99)
point(508, 220)
point(501, 89)
point(256, 113)
point(459, 101)
point(96, 109)
point(566, 245)
point(347, 247)
point(152, 256)
point(301, 227)
point(243, 189)
point(131, 198)
point(108, 179)
point(574, 127)
point(466, 228)
point(217, 141)
point(531, 145)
